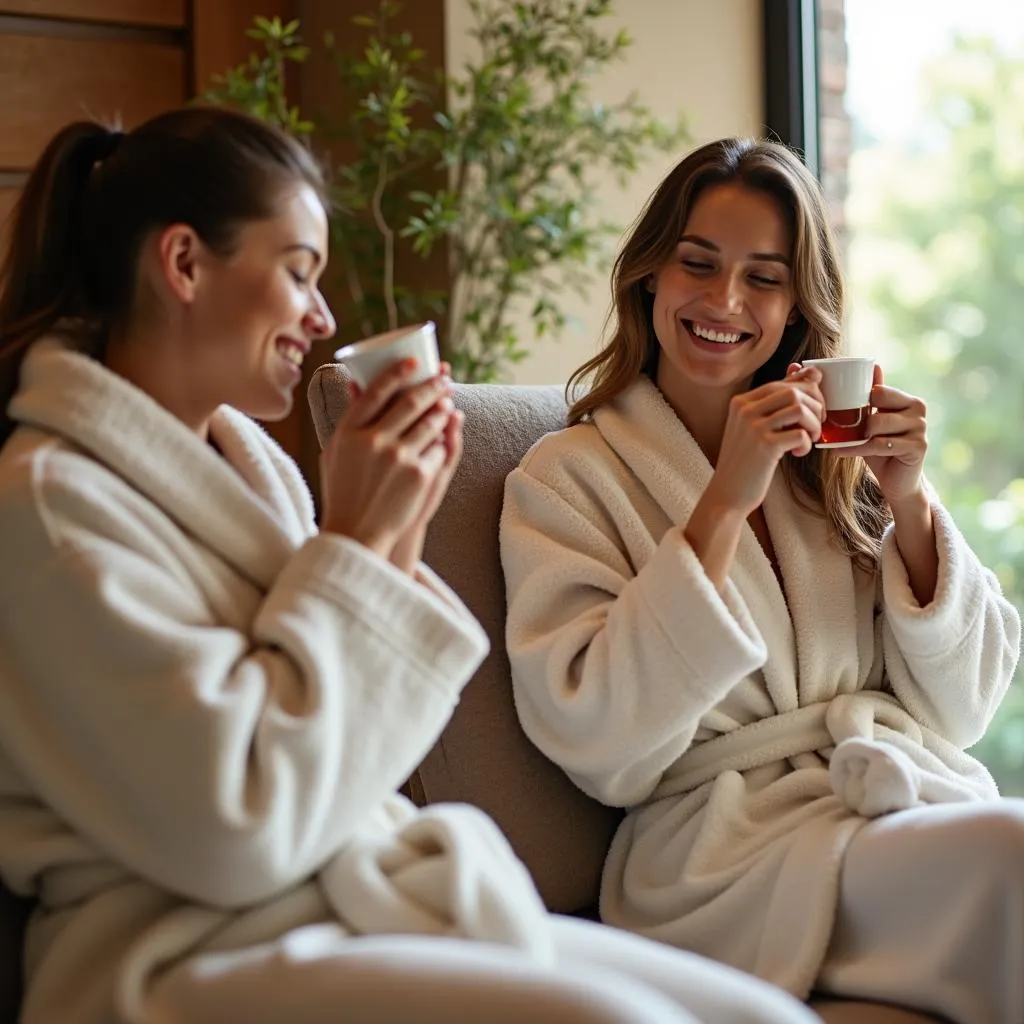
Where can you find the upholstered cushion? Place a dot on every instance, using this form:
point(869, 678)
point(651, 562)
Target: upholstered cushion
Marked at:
point(835, 1011)
point(483, 758)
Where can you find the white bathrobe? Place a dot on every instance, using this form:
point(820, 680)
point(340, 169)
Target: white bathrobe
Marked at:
point(293, 681)
point(750, 734)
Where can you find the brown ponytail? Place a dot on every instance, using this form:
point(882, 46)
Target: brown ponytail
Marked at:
point(40, 273)
point(95, 195)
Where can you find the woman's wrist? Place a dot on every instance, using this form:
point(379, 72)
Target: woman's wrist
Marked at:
point(914, 526)
point(914, 509)
point(379, 542)
point(713, 533)
point(408, 549)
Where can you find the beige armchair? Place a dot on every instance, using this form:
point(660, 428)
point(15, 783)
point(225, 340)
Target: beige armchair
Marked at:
point(483, 757)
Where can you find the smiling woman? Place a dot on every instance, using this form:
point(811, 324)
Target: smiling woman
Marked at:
point(726, 297)
point(735, 240)
point(244, 320)
point(772, 656)
point(189, 292)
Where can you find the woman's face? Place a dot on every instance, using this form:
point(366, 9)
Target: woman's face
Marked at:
point(258, 311)
point(723, 300)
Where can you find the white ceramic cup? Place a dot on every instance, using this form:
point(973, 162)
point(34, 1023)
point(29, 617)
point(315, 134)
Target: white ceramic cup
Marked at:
point(367, 359)
point(846, 383)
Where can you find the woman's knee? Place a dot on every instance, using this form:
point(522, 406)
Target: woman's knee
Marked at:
point(993, 837)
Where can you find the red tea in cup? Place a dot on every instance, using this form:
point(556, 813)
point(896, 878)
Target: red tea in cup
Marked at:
point(844, 425)
point(846, 383)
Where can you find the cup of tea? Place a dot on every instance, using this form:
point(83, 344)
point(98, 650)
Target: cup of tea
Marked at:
point(368, 358)
point(846, 383)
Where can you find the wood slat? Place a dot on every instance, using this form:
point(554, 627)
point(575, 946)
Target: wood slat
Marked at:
point(45, 83)
point(161, 13)
point(7, 198)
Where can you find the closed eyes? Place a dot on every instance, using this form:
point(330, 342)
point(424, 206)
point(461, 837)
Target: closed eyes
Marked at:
point(700, 266)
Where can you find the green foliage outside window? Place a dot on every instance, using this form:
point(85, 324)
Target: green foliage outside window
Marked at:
point(938, 270)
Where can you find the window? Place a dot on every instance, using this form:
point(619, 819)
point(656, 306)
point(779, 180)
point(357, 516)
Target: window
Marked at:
point(921, 150)
point(916, 126)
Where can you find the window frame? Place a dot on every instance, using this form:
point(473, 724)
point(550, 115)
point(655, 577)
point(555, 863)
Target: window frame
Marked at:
point(791, 84)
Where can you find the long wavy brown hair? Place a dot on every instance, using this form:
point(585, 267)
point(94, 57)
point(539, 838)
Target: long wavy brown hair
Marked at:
point(841, 490)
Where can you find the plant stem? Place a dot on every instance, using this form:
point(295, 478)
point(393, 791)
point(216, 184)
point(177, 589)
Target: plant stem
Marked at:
point(282, 102)
point(388, 234)
point(355, 289)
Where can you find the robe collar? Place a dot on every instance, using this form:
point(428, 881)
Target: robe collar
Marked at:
point(248, 504)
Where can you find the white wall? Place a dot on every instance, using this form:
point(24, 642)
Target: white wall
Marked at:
point(702, 57)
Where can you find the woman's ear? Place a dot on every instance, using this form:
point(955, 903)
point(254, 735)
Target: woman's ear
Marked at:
point(649, 284)
point(178, 255)
point(794, 315)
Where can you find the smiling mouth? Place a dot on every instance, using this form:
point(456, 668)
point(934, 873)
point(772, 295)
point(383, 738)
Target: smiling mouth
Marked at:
point(292, 351)
point(714, 337)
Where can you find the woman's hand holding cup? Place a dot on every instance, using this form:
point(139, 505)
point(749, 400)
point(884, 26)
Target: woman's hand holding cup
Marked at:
point(897, 441)
point(763, 425)
point(391, 459)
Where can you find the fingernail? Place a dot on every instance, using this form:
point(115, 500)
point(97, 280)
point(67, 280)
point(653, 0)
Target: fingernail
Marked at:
point(408, 365)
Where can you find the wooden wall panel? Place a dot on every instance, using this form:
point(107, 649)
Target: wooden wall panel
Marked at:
point(45, 83)
point(162, 13)
point(7, 198)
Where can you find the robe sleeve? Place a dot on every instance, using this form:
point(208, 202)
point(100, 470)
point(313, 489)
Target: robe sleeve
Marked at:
point(949, 663)
point(223, 764)
point(612, 669)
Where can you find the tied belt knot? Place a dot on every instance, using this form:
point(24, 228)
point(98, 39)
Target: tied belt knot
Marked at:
point(877, 759)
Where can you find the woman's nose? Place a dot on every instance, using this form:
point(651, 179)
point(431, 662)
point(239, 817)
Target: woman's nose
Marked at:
point(724, 294)
point(319, 321)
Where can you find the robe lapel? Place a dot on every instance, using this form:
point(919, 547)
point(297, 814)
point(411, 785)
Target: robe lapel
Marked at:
point(245, 447)
point(233, 504)
point(820, 592)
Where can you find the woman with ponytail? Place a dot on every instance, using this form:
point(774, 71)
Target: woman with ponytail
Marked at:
point(207, 704)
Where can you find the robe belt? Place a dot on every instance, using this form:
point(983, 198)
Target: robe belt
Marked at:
point(854, 732)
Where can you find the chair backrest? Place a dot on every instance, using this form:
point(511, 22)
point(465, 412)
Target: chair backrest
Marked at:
point(483, 756)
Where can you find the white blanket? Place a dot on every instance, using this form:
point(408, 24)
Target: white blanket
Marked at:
point(207, 707)
point(753, 733)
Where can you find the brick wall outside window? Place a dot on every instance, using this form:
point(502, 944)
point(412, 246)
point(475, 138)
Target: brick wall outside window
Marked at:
point(835, 131)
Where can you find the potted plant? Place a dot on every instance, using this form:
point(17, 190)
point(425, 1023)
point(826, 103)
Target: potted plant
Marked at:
point(496, 162)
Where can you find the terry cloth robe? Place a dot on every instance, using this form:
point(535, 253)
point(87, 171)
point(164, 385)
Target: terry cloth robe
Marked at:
point(749, 734)
point(206, 707)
